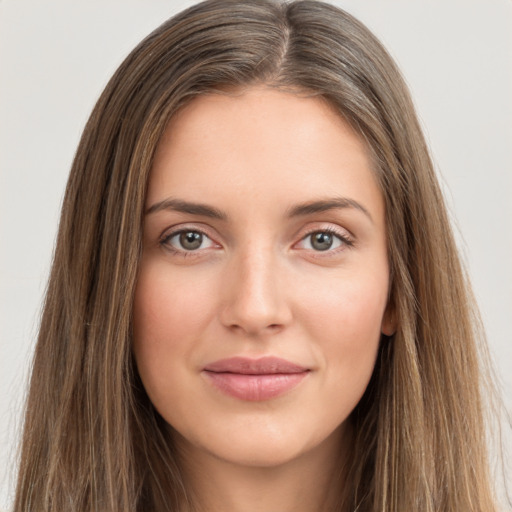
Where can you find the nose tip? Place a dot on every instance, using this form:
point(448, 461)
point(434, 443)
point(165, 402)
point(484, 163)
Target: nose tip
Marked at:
point(253, 325)
point(255, 299)
point(253, 316)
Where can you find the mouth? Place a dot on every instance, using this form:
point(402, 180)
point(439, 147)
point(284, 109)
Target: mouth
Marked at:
point(254, 379)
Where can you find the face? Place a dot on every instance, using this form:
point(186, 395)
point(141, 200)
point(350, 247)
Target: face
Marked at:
point(263, 284)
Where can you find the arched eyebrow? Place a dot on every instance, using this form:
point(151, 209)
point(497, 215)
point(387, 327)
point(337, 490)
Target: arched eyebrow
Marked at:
point(325, 205)
point(298, 210)
point(178, 205)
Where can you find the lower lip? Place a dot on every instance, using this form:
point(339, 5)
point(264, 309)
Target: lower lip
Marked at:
point(255, 388)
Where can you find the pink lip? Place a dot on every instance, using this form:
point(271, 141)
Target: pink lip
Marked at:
point(254, 379)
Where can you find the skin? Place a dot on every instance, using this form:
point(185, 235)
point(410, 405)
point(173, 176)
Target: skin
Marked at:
point(258, 286)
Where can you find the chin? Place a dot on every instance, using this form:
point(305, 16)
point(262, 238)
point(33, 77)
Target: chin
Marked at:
point(263, 447)
point(262, 454)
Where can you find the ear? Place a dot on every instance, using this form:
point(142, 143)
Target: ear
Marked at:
point(389, 322)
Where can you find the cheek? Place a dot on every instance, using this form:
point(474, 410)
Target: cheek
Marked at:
point(169, 305)
point(352, 305)
point(168, 315)
point(344, 319)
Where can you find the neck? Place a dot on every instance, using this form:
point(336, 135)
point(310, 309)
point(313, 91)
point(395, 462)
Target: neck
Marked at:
point(312, 482)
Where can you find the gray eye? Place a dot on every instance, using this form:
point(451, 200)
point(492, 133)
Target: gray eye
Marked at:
point(190, 240)
point(321, 241)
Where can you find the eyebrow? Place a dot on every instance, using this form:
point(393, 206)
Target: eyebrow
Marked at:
point(299, 210)
point(179, 205)
point(325, 205)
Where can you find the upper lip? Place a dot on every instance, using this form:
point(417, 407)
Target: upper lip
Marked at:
point(247, 366)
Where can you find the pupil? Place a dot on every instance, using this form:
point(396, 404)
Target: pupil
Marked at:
point(321, 241)
point(191, 240)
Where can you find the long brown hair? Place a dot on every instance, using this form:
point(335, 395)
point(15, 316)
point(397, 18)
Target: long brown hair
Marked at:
point(92, 440)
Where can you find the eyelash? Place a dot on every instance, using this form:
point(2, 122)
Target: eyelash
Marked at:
point(164, 242)
point(166, 238)
point(346, 241)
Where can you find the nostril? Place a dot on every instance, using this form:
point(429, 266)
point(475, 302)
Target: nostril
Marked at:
point(256, 330)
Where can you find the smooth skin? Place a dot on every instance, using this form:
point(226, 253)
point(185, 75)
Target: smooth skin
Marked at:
point(264, 235)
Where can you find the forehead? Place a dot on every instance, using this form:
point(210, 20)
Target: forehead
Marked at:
point(261, 142)
point(253, 116)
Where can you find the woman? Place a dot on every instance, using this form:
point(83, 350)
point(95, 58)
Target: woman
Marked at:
point(256, 301)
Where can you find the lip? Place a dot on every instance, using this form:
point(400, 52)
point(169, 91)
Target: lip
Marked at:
point(254, 379)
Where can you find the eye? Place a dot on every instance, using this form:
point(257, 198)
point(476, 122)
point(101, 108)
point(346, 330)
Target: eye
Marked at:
point(187, 241)
point(324, 240)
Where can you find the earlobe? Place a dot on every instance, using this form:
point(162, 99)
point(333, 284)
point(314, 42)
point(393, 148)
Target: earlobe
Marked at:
point(389, 323)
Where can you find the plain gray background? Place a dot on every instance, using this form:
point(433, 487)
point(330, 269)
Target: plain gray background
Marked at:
point(56, 56)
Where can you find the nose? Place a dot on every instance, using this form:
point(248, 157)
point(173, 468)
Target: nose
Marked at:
point(255, 300)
